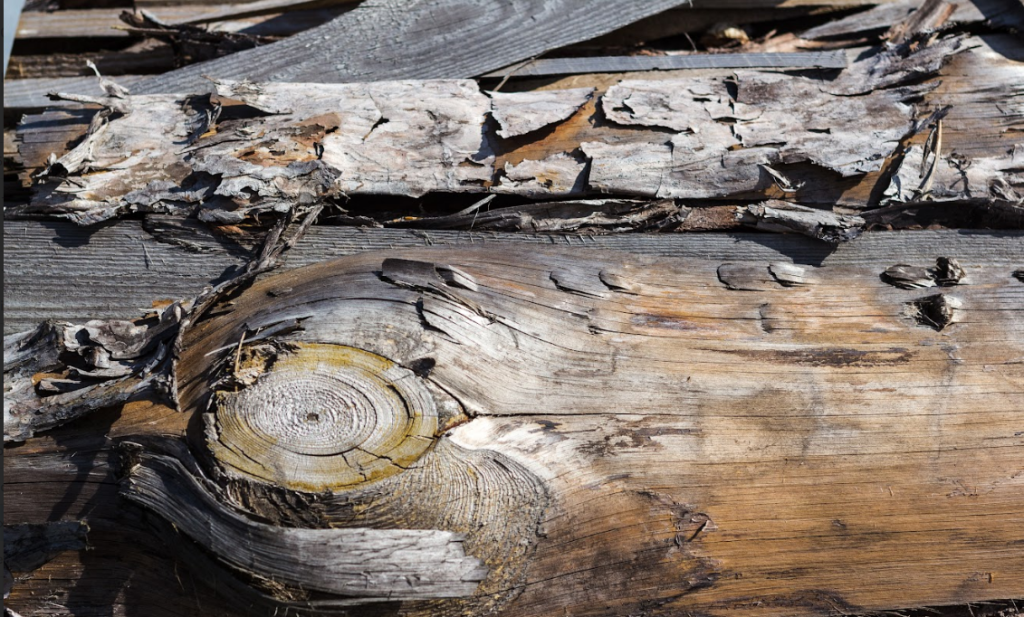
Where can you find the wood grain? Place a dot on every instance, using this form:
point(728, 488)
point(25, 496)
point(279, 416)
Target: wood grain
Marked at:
point(801, 448)
point(55, 270)
point(393, 39)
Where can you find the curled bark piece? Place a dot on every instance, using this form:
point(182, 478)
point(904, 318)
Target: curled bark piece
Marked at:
point(947, 272)
point(366, 565)
point(897, 66)
point(934, 176)
point(783, 216)
point(937, 311)
point(557, 175)
point(519, 113)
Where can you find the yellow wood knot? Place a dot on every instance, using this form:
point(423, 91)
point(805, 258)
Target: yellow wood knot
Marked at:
point(325, 417)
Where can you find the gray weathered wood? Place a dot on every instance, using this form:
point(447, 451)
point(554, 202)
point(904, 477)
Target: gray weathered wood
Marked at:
point(998, 13)
point(621, 64)
point(106, 24)
point(397, 39)
point(61, 271)
point(31, 94)
point(367, 565)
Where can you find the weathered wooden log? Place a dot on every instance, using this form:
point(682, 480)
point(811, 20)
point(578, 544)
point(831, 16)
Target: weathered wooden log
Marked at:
point(749, 135)
point(609, 433)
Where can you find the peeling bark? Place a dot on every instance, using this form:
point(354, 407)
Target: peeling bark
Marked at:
point(520, 113)
point(59, 371)
point(695, 138)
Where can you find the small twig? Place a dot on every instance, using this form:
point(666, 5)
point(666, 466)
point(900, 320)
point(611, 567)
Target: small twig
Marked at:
point(238, 353)
point(476, 206)
point(518, 67)
point(933, 143)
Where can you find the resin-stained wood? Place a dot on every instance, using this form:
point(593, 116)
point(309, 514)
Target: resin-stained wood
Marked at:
point(625, 433)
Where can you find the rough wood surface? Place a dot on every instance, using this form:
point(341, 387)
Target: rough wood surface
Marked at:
point(815, 158)
point(395, 39)
point(106, 23)
point(62, 271)
point(656, 440)
point(653, 138)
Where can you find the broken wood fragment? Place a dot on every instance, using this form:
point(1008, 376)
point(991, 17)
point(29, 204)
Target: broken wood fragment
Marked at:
point(59, 372)
point(524, 112)
point(946, 273)
point(788, 217)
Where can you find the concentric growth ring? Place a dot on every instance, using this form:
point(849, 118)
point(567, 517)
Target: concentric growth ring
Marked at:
point(325, 417)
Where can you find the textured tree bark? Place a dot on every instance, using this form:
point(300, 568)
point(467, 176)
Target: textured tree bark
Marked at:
point(532, 432)
point(743, 135)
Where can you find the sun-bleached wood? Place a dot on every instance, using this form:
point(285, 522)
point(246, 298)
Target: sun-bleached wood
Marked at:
point(741, 135)
point(656, 437)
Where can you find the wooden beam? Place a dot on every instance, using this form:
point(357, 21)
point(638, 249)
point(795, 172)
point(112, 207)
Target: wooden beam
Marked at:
point(106, 23)
point(388, 39)
point(58, 270)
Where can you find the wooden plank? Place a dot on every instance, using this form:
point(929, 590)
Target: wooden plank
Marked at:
point(646, 437)
point(106, 23)
point(30, 94)
point(60, 271)
point(623, 64)
point(391, 39)
point(147, 56)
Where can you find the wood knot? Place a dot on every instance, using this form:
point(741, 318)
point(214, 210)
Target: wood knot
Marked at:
point(325, 417)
